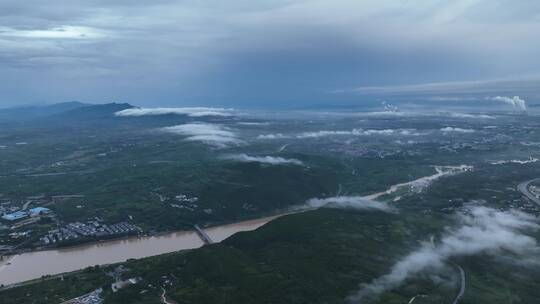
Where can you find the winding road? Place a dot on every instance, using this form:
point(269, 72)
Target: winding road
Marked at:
point(524, 189)
point(164, 299)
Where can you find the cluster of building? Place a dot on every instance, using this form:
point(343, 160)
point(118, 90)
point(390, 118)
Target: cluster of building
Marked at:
point(77, 230)
point(116, 286)
point(7, 206)
point(185, 198)
point(185, 202)
point(93, 297)
point(20, 234)
point(22, 214)
point(535, 190)
point(119, 283)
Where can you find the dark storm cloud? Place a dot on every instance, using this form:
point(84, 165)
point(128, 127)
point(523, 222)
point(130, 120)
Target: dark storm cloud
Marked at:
point(265, 52)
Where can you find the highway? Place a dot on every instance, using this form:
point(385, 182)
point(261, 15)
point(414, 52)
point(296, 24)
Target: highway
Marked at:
point(524, 189)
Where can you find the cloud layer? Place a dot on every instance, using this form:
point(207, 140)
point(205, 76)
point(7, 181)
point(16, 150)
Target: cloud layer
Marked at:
point(515, 161)
point(189, 111)
point(353, 202)
point(353, 132)
point(371, 201)
point(480, 230)
point(271, 160)
point(456, 130)
point(278, 52)
point(212, 134)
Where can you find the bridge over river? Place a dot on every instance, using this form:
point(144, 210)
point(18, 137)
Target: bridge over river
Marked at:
point(202, 234)
point(26, 266)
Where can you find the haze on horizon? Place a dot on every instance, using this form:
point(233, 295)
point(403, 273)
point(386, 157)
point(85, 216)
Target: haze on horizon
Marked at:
point(269, 53)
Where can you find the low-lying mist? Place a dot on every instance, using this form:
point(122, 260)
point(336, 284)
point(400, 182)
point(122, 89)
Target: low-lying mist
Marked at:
point(479, 230)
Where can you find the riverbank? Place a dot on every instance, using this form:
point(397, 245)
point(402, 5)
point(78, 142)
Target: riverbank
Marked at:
point(35, 264)
point(147, 234)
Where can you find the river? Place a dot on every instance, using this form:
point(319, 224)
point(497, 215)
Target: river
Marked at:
point(32, 265)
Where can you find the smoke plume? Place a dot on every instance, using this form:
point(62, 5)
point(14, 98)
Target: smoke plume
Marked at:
point(515, 101)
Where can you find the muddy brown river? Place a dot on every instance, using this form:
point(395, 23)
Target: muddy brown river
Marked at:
point(33, 265)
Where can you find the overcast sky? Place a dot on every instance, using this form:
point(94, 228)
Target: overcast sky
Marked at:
point(267, 52)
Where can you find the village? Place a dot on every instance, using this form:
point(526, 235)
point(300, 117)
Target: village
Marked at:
point(30, 224)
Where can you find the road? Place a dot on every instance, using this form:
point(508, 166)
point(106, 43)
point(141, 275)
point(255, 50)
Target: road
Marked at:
point(25, 206)
point(524, 189)
point(164, 299)
point(462, 287)
point(415, 297)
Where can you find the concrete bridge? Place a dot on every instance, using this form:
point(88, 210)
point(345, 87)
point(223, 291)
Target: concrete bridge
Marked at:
point(204, 237)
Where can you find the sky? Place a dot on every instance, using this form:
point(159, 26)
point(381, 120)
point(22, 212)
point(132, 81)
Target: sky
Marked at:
point(268, 52)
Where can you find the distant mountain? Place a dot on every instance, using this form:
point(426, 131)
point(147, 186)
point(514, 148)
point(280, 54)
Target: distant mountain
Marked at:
point(26, 113)
point(94, 116)
point(76, 116)
point(99, 111)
